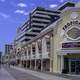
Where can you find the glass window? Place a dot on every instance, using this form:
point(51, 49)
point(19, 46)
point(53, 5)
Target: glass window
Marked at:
point(29, 51)
point(39, 46)
point(33, 49)
point(48, 44)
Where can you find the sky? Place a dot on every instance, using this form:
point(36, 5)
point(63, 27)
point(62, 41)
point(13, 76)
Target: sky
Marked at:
point(13, 13)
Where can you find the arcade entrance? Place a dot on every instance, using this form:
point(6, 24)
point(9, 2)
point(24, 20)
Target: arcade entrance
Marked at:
point(72, 64)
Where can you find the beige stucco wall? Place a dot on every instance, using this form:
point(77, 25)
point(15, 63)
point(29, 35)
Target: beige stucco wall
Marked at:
point(65, 18)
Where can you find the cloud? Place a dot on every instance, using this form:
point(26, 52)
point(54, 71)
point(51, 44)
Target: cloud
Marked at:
point(53, 5)
point(22, 5)
point(4, 15)
point(2, 0)
point(22, 12)
point(61, 0)
point(19, 11)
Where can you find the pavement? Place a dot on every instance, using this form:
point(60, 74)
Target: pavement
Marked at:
point(5, 75)
point(17, 73)
point(21, 75)
point(39, 75)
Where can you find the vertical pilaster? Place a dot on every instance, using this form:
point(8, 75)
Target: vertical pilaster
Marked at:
point(51, 54)
point(41, 64)
point(36, 55)
point(44, 52)
point(62, 62)
point(26, 57)
point(35, 64)
point(69, 65)
point(30, 64)
point(30, 55)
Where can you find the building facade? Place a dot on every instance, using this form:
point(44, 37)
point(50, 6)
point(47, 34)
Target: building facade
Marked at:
point(56, 48)
point(38, 20)
point(7, 48)
point(0, 58)
point(67, 39)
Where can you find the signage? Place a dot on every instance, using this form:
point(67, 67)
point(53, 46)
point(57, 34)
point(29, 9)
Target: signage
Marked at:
point(70, 24)
point(71, 45)
point(72, 30)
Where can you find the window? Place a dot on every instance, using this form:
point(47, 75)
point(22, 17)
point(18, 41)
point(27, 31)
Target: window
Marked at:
point(29, 51)
point(33, 49)
point(48, 44)
point(25, 52)
point(39, 46)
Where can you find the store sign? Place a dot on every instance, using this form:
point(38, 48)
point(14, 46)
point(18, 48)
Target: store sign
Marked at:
point(70, 24)
point(72, 30)
point(71, 45)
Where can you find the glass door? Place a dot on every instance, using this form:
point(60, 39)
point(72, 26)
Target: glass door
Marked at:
point(78, 66)
point(73, 66)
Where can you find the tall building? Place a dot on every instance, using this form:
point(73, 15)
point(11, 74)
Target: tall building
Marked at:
point(0, 58)
point(56, 47)
point(7, 48)
point(38, 20)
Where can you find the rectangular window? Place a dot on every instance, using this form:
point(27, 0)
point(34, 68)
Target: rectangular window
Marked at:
point(33, 49)
point(25, 52)
point(29, 51)
point(39, 46)
point(48, 44)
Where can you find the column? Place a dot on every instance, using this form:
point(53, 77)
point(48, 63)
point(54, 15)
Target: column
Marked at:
point(69, 65)
point(20, 60)
point(30, 56)
point(51, 54)
point(26, 63)
point(35, 64)
point(41, 64)
point(30, 64)
point(62, 62)
point(26, 51)
point(36, 55)
point(43, 51)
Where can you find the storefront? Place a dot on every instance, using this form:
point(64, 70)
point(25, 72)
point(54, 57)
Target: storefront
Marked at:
point(57, 47)
point(71, 61)
point(72, 65)
point(67, 43)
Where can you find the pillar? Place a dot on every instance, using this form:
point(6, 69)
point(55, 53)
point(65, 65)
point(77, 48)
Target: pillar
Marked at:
point(26, 63)
point(51, 55)
point(30, 64)
point(69, 65)
point(62, 62)
point(37, 53)
point(43, 51)
point(35, 64)
point(41, 64)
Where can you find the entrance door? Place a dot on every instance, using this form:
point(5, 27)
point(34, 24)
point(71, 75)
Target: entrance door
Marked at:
point(75, 66)
point(78, 66)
